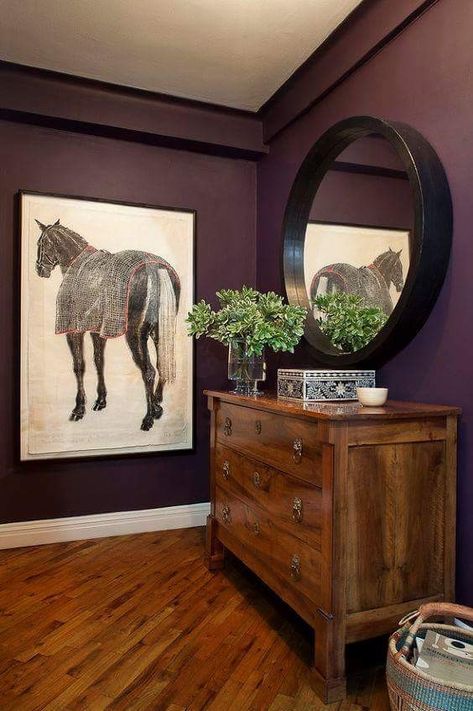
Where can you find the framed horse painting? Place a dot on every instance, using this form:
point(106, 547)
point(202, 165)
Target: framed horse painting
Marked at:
point(106, 365)
point(371, 262)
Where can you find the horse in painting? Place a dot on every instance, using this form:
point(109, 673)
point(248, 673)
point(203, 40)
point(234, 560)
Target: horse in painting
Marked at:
point(130, 293)
point(372, 283)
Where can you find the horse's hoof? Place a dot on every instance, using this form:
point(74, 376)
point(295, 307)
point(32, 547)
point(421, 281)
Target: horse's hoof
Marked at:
point(147, 423)
point(157, 411)
point(99, 405)
point(76, 415)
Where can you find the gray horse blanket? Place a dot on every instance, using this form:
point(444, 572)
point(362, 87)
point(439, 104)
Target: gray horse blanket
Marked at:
point(367, 282)
point(94, 292)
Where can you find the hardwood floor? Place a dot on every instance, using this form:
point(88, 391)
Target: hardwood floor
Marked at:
point(137, 622)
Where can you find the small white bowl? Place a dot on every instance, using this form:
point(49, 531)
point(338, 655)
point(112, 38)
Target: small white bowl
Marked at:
point(372, 397)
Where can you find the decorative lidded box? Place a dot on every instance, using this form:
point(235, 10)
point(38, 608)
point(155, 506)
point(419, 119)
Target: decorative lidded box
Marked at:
point(319, 385)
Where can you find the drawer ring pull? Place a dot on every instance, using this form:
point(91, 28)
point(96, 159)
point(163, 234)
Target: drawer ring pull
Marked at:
point(227, 427)
point(226, 469)
point(226, 514)
point(258, 427)
point(297, 447)
point(295, 567)
point(297, 509)
point(256, 479)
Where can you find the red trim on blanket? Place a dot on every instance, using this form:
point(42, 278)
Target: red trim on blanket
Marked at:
point(89, 248)
point(330, 270)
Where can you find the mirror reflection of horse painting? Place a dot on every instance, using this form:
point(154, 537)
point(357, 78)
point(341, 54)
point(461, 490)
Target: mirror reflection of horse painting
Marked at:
point(372, 282)
point(130, 293)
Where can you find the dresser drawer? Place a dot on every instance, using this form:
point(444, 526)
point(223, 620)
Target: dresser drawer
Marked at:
point(284, 442)
point(295, 503)
point(295, 563)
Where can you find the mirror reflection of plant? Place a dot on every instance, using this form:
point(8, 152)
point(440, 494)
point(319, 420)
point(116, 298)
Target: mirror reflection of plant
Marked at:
point(260, 320)
point(346, 321)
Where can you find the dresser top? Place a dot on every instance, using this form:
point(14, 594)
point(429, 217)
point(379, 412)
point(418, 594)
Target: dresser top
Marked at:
point(349, 410)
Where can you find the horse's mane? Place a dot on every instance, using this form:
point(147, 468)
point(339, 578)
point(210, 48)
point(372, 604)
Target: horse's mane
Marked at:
point(61, 232)
point(389, 257)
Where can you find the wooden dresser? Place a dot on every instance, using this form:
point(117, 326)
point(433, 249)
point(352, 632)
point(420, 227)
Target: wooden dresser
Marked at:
point(346, 512)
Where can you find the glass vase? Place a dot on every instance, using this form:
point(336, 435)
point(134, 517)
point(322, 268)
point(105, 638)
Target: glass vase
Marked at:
point(245, 369)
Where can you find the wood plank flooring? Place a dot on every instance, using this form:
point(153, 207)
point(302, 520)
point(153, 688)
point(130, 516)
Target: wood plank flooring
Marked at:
point(138, 623)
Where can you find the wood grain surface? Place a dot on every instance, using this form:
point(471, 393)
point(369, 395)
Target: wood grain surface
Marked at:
point(294, 503)
point(272, 438)
point(137, 622)
point(352, 410)
point(347, 513)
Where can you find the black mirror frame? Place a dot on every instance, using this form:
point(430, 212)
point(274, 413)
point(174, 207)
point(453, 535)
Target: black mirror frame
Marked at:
point(431, 238)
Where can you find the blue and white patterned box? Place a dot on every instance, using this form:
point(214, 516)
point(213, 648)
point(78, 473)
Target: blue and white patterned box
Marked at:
point(320, 385)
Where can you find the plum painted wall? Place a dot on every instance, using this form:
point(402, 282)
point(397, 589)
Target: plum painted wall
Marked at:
point(422, 77)
point(360, 199)
point(222, 191)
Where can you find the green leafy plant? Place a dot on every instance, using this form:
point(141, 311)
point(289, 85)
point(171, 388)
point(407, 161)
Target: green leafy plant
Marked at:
point(347, 321)
point(260, 320)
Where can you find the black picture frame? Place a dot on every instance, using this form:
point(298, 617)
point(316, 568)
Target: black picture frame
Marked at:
point(430, 242)
point(112, 454)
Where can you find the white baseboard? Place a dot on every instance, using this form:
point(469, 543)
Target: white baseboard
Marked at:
point(119, 523)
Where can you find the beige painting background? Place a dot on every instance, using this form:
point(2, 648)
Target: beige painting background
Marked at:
point(328, 244)
point(48, 386)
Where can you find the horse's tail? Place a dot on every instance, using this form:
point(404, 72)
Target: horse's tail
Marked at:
point(333, 277)
point(167, 314)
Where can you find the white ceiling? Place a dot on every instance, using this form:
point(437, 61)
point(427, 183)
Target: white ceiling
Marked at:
point(230, 52)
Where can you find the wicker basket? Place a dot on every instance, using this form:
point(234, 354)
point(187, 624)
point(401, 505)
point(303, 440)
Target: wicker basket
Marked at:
point(411, 689)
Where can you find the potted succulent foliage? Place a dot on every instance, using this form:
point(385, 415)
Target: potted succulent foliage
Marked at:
point(347, 321)
point(248, 322)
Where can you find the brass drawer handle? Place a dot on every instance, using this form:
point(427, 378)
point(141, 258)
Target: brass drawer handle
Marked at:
point(226, 514)
point(227, 427)
point(226, 469)
point(297, 447)
point(256, 528)
point(295, 567)
point(256, 479)
point(258, 427)
point(297, 509)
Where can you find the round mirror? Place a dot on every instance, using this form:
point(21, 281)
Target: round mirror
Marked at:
point(367, 236)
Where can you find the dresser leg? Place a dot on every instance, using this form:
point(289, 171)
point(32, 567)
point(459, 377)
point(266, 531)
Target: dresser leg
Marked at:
point(214, 550)
point(329, 673)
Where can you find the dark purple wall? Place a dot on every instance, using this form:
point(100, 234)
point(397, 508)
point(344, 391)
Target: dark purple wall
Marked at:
point(350, 195)
point(222, 191)
point(359, 199)
point(94, 107)
point(368, 26)
point(422, 77)
point(372, 150)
